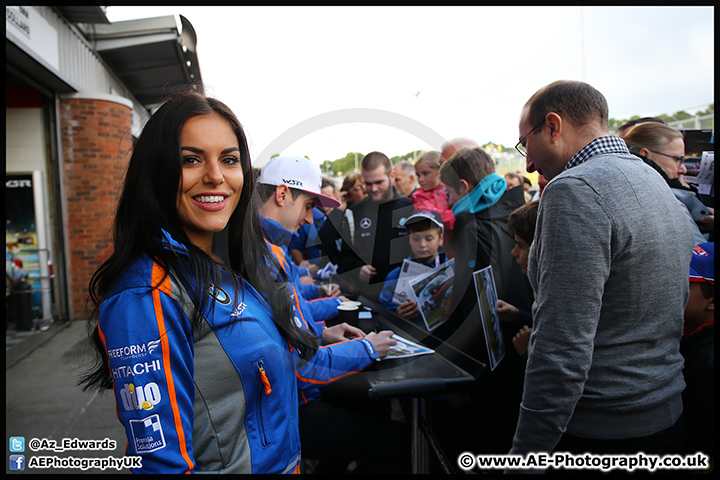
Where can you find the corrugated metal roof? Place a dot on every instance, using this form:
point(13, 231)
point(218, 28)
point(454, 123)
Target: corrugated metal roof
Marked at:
point(152, 56)
point(86, 14)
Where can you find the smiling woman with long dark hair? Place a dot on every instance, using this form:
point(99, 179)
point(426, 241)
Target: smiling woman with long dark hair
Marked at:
point(199, 353)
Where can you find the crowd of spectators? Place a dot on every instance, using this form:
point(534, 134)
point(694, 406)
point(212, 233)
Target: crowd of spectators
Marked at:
point(604, 279)
point(457, 197)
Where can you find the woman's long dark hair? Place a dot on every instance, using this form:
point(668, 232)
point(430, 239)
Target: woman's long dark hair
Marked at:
point(148, 203)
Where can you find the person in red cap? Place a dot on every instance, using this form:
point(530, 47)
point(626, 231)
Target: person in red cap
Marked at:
point(698, 348)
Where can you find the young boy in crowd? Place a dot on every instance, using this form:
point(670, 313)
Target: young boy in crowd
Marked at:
point(521, 223)
point(425, 232)
point(698, 348)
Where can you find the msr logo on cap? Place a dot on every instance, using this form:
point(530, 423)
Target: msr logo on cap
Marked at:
point(296, 183)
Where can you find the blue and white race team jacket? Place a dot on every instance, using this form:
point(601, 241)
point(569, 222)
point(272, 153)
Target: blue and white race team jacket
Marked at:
point(322, 309)
point(331, 362)
point(222, 400)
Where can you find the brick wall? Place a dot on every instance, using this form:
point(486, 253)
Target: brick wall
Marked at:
point(96, 138)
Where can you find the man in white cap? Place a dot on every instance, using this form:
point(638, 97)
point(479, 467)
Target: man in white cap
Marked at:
point(298, 184)
point(289, 188)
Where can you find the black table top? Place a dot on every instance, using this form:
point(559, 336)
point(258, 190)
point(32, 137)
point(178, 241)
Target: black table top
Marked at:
point(418, 376)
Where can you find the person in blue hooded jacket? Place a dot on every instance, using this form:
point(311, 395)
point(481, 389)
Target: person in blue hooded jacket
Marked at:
point(199, 351)
point(481, 204)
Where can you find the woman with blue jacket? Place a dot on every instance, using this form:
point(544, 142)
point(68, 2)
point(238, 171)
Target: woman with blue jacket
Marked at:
point(198, 351)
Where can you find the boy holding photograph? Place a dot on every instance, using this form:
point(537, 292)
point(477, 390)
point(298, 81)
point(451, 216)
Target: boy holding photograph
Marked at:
point(481, 205)
point(521, 224)
point(425, 232)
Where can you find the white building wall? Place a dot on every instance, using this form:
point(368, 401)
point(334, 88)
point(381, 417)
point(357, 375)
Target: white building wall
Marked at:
point(24, 140)
point(82, 67)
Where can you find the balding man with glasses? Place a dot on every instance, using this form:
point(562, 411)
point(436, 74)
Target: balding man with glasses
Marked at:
point(607, 265)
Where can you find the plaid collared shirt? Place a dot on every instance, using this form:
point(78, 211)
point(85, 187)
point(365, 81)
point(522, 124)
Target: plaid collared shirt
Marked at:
point(596, 147)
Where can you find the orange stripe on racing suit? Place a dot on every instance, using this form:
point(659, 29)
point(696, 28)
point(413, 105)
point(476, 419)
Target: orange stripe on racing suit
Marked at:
point(159, 277)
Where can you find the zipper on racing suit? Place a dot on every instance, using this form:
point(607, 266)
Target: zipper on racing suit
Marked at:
point(267, 390)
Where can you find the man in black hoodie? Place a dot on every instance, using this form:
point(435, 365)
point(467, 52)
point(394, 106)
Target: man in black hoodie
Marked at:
point(374, 238)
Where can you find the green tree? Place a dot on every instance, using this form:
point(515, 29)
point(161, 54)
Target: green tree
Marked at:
point(326, 167)
point(408, 156)
point(345, 165)
point(614, 123)
point(708, 111)
point(681, 115)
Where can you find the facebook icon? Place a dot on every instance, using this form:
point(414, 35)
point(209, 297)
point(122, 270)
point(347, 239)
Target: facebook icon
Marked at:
point(17, 462)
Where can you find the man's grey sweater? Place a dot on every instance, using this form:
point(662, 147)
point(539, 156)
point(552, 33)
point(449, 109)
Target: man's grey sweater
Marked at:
point(609, 268)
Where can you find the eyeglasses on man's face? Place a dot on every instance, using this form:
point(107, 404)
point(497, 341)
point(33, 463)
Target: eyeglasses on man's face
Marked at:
point(520, 147)
point(678, 160)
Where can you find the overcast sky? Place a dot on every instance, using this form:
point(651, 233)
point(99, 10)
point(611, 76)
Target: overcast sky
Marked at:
point(325, 81)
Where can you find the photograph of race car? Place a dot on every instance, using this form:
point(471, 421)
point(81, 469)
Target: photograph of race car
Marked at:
point(487, 301)
point(433, 293)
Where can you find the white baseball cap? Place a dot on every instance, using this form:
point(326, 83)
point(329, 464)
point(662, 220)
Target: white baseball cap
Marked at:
point(299, 173)
point(434, 217)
